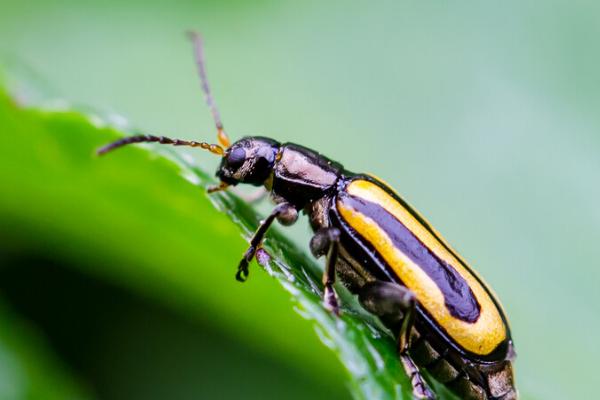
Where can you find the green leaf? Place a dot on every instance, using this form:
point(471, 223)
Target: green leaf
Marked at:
point(148, 208)
point(28, 369)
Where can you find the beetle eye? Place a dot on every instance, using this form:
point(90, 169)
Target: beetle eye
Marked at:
point(236, 158)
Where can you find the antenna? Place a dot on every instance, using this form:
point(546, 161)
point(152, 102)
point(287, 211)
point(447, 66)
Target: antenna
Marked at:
point(213, 148)
point(221, 135)
point(196, 39)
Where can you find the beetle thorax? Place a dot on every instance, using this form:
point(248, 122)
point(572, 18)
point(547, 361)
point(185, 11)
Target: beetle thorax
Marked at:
point(301, 175)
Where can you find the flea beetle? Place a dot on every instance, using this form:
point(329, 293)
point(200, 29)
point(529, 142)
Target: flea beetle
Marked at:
point(445, 318)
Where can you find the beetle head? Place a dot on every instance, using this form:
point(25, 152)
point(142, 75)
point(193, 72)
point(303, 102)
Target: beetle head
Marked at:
point(249, 160)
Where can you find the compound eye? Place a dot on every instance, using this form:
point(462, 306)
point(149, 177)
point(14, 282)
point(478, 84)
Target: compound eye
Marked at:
point(236, 158)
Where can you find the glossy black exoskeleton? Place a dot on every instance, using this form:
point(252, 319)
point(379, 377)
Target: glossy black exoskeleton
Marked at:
point(300, 179)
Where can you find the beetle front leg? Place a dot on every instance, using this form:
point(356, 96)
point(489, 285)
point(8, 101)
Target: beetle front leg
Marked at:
point(396, 303)
point(326, 241)
point(286, 214)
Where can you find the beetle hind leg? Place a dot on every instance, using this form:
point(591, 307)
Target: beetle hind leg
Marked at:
point(396, 304)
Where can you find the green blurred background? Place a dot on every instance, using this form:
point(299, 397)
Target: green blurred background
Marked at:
point(484, 116)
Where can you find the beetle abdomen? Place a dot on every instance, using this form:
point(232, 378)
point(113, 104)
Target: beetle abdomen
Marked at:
point(412, 254)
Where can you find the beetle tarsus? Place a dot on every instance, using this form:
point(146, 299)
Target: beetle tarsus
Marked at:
point(263, 258)
point(330, 300)
point(421, 389)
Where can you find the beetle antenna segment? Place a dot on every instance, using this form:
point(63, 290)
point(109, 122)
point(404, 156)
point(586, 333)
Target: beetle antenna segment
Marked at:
point(213, 148)
point(199, 54)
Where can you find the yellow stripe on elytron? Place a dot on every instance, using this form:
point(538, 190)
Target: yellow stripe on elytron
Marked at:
point(481, 337)
point(437, 234)
point(445, 243)
point(435, 231)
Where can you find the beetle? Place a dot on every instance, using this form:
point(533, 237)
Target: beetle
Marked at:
point(445, 318)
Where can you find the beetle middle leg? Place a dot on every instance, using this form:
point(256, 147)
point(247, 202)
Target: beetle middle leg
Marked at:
point(396, 304)
point(286, 214)
point(326, 241)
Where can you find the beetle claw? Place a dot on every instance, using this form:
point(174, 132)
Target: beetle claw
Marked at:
point(242, 272)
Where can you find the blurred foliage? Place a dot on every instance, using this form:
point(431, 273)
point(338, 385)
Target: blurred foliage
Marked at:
point(484, 115)
point(158, 235)
point(27, 369)
point(87, 206)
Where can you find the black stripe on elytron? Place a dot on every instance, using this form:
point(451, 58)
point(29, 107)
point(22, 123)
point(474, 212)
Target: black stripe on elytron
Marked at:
point(382, 185)
point(418, 217)
point(458, 296)
point(362, 251)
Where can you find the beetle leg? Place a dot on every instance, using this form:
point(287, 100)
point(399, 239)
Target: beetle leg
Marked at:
point(326, 241)
point(285, 214)
point(396, 303)
point(321, 241)
point(420, 387)
point(329, 295)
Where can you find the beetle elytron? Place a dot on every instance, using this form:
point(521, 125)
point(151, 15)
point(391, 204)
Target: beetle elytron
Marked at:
point(445, 318)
